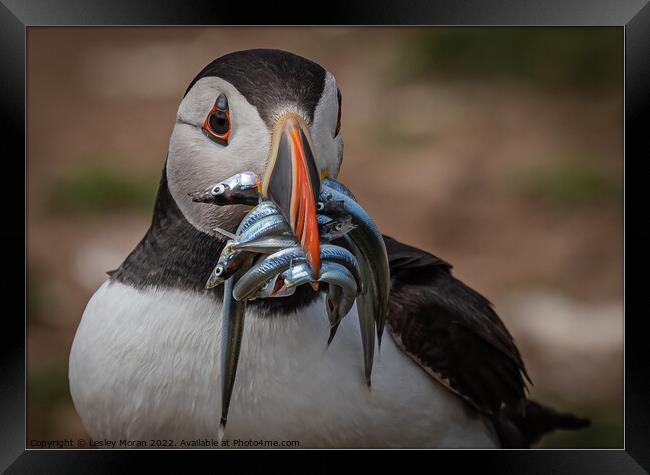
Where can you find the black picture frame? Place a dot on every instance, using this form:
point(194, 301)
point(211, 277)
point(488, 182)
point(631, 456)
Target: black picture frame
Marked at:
point(634, 16)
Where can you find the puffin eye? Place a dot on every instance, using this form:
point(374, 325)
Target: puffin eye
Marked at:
point(217, 124)
point(338, 118)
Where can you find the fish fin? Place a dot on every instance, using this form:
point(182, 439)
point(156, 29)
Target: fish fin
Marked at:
point(228, 234)
point(333, 329)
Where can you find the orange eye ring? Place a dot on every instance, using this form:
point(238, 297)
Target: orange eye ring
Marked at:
point(216, 125)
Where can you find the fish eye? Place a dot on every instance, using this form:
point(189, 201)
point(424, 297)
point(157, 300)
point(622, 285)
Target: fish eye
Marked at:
point(218, 189)
point(218, 270)
point(338, 227)
point(217, 123)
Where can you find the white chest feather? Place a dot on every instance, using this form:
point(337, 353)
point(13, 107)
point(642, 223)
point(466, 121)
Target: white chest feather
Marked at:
point(145, 364)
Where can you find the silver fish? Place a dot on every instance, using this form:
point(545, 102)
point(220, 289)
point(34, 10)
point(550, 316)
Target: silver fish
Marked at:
point(340, 296)
point(265, 245)
point(366, 236)
point(242, 188)
point(274, 289)
point(340, 255)
point(266, 268)
point(337, 275)
point(297, 275)
point(232, 330)
point(330, 254)
point(268, 226)
point(332, 305)
point(338, 186)
point(242, 181)
point(323, 219)
point(262, 210)
point(228, 264)
point(371, 254)
point(330, 207)
point(367, 310)
point(336, 228)
point(342, 289)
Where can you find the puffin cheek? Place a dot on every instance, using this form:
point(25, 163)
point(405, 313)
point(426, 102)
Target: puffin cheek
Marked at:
point(335, 166)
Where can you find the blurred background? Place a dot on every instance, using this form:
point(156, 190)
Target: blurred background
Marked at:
point(508, 142)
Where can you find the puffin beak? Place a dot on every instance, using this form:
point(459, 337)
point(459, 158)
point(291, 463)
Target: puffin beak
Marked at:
point(292, 181)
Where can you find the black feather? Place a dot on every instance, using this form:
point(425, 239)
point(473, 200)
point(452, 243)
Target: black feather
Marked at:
point(517, 430)
point(452, 331)
point(268, 77)
point(449, 327)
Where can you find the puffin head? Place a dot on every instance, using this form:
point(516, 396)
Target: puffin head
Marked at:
point(266, 111)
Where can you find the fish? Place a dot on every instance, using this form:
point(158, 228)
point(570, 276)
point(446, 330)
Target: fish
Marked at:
point(370, 251)
point(333, 208)
point(269, 226)
point(341, 293)
point(262, 210)
point(331, 272)
point(259, 238)
point(338, 186)
point(336, 228)
point(367, 309)
point(329, 253)
point(274, 288)
point(340, 255)
point(232, 257)
point(265, 245)
point(323, 219)
point(297, 275)
point(332, 300)
point(227, 265)
point(356, 270)
point(266, 268)
point(234, 313)
point(242, 188)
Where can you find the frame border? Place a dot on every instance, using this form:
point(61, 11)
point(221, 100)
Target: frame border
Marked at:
point(17, 15)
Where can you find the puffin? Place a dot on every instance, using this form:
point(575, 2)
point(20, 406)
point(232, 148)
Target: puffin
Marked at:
point(144, 365)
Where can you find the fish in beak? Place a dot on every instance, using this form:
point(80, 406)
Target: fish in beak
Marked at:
point(292, 181)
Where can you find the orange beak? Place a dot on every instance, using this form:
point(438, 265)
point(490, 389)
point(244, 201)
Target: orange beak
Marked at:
point(292, 182)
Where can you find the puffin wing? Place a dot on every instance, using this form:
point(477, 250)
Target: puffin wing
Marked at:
point(452, 331)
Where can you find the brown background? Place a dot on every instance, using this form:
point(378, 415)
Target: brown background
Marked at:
point(498, 149)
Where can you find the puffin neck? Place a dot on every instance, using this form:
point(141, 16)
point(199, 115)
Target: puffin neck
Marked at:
point(174, 254)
